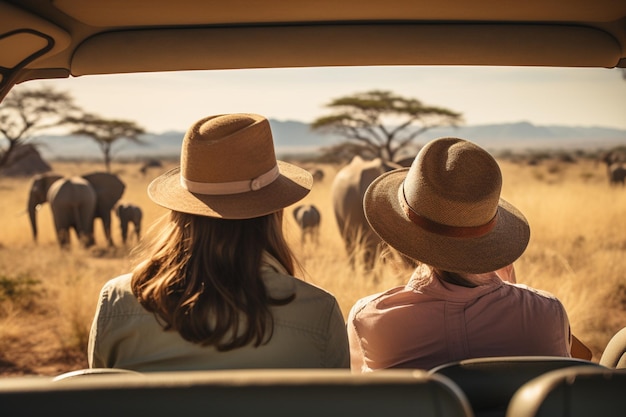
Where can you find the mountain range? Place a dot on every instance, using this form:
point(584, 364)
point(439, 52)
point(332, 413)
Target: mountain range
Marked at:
point(296, 138)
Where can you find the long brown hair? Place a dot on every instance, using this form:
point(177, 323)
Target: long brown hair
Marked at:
point(202, 278)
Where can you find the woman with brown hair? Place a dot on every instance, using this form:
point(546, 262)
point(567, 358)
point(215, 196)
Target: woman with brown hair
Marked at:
point(216, 288)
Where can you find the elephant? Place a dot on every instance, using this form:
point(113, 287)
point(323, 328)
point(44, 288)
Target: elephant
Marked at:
point(150, 163)
point(347, 191)
point(318, 174)
point(73, 203)
point(53, 188)
point(129, 213)
point(109, 189)
point(617, 174)
point(308, 217)
point(615, 156)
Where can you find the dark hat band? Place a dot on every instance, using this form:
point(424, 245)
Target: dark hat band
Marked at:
point(444, 229)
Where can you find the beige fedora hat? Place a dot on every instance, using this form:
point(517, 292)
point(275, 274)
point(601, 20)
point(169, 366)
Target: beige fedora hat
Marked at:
point(228, 169)
point(446, 211)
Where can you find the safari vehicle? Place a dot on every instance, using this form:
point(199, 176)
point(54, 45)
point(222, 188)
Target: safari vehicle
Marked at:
point(44, 39)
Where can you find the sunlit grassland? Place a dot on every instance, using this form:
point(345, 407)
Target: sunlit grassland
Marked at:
point(577, 252)
point(578, 242)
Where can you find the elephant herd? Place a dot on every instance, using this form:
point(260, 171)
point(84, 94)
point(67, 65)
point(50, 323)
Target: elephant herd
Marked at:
point(76, 202)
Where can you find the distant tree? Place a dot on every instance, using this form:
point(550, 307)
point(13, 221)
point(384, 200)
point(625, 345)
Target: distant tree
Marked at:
point(26, 111)
point(381, 123)
point(105, 132)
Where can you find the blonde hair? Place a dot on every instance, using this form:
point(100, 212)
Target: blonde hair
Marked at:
point(202, 278)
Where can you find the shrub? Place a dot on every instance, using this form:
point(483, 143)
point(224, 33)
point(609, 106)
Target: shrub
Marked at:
point(19, 290)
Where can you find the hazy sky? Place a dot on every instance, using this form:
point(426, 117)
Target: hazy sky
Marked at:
point(172, 101)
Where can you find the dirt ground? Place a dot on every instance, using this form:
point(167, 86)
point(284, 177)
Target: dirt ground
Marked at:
point(41, 353)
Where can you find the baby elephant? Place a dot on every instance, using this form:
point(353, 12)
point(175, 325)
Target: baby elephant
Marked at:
point(129, 213)
point(308, 218)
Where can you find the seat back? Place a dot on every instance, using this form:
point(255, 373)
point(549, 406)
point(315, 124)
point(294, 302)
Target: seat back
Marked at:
point(92, 371)
point(614, 355)
point(237, 393)
point(489, 383)
point(572, 392)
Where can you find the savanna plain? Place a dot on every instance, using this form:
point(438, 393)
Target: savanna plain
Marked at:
point(48, 296)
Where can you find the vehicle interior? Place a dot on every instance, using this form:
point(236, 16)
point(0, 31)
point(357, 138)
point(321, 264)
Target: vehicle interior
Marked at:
point(62, 38)
point(46, 39)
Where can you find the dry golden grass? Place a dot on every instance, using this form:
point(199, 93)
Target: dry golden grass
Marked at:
point(577, 251)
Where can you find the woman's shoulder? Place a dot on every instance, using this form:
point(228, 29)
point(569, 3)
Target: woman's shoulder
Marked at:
point(308, 289)
point(117, 299)
point(119, 284)
point(118, 291)
point(279, 284)
point(300, 287)
point(531, 292)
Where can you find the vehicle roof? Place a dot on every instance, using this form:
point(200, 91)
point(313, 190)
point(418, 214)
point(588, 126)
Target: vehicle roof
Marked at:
point(59, 38)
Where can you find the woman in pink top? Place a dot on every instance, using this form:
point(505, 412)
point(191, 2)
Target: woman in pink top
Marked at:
point(462, 301)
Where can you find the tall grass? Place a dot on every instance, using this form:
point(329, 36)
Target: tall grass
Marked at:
point(578, 243)
point(577, 252)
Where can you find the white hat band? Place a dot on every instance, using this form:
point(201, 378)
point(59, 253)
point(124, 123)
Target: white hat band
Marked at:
point(232, 187)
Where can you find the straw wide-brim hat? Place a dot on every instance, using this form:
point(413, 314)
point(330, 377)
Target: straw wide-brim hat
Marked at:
point(446, 211)
point(228, 169)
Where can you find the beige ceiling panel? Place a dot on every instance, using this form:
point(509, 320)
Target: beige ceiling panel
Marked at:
point(18, 47)
point(19, 36)
point(156, 12)
point(224, 48)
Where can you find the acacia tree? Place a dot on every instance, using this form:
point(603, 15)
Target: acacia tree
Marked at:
point(381, 123)
point(105, 132)
point(26, 111)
